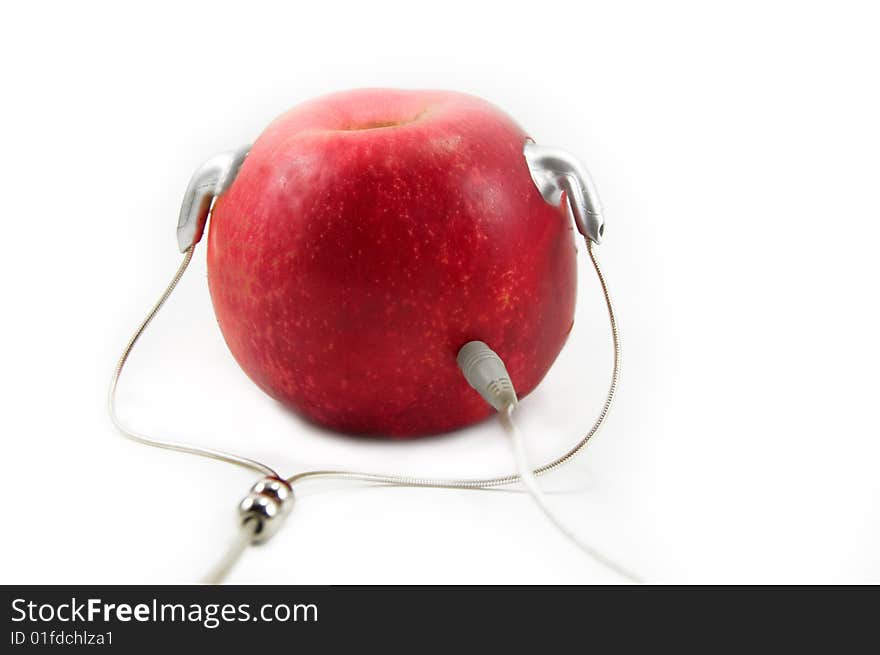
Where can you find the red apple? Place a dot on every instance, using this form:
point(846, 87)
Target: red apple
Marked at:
point(368, 236)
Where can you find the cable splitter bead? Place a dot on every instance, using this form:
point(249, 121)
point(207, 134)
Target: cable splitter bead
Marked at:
point(268, 502)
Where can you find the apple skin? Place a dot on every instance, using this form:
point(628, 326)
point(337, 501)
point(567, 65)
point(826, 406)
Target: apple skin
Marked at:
point(368, 235)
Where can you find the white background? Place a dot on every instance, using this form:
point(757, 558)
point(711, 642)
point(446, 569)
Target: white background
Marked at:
point(735, 147)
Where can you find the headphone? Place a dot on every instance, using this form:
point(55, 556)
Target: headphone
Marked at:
point(560, 178)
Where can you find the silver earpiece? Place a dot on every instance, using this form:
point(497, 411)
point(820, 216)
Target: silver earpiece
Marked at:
point(554, 171)
point(210, 180)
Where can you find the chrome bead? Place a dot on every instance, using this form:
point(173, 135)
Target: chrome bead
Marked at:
point(276, 488)
point(269, 501)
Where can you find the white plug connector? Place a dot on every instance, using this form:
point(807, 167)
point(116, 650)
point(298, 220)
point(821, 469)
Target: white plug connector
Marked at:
point(485, 372)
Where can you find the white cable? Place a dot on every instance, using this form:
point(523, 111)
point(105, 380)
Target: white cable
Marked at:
point(530, 482)
point(243, 537)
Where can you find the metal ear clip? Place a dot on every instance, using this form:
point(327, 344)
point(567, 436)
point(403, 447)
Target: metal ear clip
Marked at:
point(210, 180)
point(554, 171)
